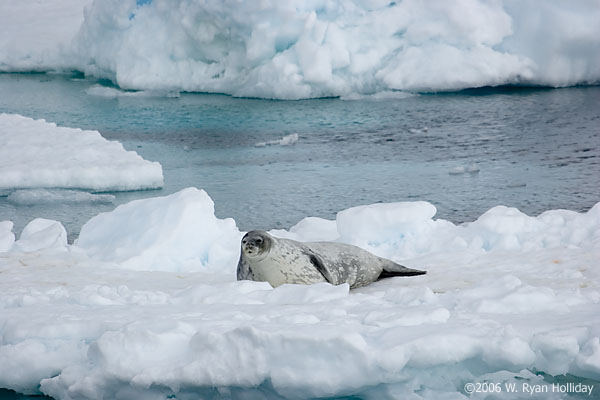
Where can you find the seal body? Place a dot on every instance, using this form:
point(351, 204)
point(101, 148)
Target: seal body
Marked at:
point(278, 261)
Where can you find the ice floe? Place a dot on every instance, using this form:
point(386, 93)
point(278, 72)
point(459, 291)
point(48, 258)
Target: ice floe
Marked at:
point(40, 154)
point(145, 304)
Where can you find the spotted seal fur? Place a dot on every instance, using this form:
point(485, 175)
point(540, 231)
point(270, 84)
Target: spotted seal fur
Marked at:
point(277, 261)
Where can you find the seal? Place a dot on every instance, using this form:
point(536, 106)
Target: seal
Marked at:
point(265, 258)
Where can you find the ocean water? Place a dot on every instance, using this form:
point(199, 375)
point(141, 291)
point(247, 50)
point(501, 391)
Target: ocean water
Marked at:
point(531, 148)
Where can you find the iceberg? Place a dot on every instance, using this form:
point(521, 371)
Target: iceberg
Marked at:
point(37, 154)
point(34, 35)
point(146, 304)
point(295, 49)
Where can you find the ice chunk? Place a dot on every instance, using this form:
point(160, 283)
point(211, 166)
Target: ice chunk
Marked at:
point(284, 141)
point(42, 234)
point(28, 197)
point(59, 157)
point(384, 228)
point(7, 237)
point(463, 169)
point(178, 232)
point(310, 229)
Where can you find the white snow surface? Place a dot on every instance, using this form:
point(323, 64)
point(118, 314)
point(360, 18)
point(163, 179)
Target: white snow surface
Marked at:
point(146, 305)
point(60, 157)
point(296, 49)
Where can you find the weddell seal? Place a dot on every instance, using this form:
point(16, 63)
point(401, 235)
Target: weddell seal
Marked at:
point(265, 258)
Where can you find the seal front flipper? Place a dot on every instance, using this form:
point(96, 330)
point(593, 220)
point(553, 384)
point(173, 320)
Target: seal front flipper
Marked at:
point(391, 269)
point(244, 272)
point(318, 263)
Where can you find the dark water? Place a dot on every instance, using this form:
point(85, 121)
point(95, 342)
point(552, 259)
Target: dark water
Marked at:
point(536, 149)
point(6, 394)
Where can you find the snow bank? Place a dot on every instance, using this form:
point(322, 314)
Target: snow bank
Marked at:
point(505, 295)
point(296, 49)
point(39, 154)
point(173, 233)
point(407, 229)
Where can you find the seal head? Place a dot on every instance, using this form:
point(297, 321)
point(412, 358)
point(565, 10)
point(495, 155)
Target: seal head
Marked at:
point(256, 245)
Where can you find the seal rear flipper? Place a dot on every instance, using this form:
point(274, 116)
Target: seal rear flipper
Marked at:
point(392, 269)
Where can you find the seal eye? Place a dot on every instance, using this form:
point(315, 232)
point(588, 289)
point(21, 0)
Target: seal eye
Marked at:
point(259, 240)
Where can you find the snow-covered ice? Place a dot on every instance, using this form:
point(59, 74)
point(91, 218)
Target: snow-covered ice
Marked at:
point(146, 305)
point(295, 49)
point(39, 154)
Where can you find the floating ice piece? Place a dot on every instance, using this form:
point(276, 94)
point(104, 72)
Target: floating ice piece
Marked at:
point(29, 197)
point(284, 141)
point(39, 154)
point(41, 234)
point(113, 93)
point(178, 232)
point(417, 131)
point(464, 169)
point(380, 96)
